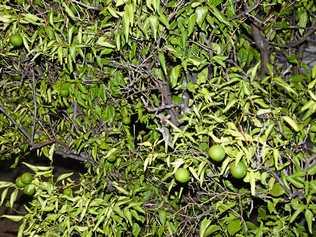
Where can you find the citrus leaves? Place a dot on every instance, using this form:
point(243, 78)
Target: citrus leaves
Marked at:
point(102, 41)
point(291, 122)
point(200, 13)
point(107, 77)
point(128, 19)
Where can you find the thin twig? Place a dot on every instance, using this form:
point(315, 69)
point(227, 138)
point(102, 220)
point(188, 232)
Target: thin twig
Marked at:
point(35, 106)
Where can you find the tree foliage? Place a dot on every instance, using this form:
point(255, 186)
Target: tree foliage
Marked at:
point(138, 89)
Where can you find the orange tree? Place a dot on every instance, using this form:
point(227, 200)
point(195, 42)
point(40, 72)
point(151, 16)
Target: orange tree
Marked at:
point(140, 89)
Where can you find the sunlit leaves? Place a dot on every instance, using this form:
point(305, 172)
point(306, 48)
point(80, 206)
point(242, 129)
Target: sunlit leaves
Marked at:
point(200, 13)
point(91, 57)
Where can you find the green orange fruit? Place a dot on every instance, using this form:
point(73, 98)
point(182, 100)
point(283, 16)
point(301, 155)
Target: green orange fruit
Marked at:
point(182, 175)
point(29, 190)
point(216, 153)
point(27, 178)
point(238, 170)
point(16, 40)
point(19, 183)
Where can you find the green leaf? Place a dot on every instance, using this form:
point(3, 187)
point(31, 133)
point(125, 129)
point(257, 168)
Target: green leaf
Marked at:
point(51, 152)
point(291, 122)
point(162, 216)
point(174, 75)
point(4, 184)
point(162, 61)
point(309, 219)
point(215, 3)
point(191, 24)
point(129, 10)
point(279, 81)
point(298, 182)
point(154, 23)
point(311, 170)
point(13, 217)
point(136, 230)
point(126, 24)
point(13, 197)
point(277, 190)
point(102, 41)
point(32, 19)
point(212, 229)
point(200, 13)
point(164, 20)
point(276, 157)
point(69, 11)
point(303, 18)
point(203, 226)
point(128, 216)
point(218, 15)
point(230, 104)
point(64, 176)
point(202, 76)
point(298, 211)
point(37, 168)
point(234, 226)
point(120, 2)
point(313, 73)
point(3, 195)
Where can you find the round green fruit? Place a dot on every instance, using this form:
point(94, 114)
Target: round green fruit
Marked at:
point(27, 178)
point(16, 40)
point(238, 170)
point(19, 183)
point(29, 190)
point(216, 153)
point(182, 175)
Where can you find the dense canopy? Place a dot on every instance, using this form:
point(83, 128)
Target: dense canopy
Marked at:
point(137, 90)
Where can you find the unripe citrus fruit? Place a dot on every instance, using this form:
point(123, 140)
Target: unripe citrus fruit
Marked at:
point(19, 183)
point(27, 178)
point(16, 40)
point(216, 153)
point(238, 170)
point(182, 175)
point(29, 190)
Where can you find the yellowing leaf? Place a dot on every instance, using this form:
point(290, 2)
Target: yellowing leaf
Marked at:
point(200, 13)
point(13, 217)
point(69, 11)
point(291, 122)
point(203, 227)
